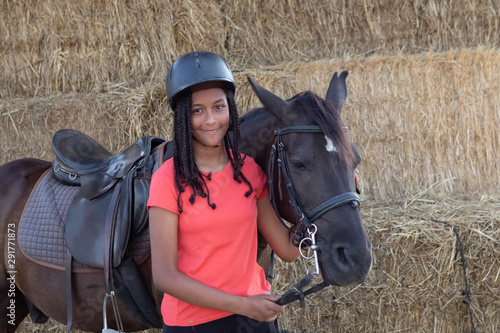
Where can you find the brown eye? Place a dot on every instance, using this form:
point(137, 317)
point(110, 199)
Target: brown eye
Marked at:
point(298, 165)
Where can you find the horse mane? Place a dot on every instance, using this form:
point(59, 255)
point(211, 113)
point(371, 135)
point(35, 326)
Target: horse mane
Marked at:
point(323, 113)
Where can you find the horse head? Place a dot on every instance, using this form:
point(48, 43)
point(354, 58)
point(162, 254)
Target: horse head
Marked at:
point(303, 146)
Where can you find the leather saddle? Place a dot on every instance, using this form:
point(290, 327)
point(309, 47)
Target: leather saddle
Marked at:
point(108, 211)
point(111, 203)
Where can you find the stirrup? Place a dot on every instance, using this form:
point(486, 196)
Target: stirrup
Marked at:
point(116, 313)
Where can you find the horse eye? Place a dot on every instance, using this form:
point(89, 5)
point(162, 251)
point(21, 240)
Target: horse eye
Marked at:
point(298, 165)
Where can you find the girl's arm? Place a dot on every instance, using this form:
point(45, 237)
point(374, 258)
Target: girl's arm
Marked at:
point(163, 226)
point(275, 233)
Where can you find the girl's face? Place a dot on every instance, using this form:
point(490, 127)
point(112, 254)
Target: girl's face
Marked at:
point(209, 116)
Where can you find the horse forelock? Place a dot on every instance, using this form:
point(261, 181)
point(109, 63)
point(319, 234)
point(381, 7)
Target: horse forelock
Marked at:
point(324, 114)
point(310, 109)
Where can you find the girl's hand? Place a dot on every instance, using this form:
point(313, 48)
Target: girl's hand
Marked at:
point(262, 307)
point(356, 177)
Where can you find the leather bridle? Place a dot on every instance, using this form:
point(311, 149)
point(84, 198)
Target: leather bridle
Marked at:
point(305, 230)
point(278, 162)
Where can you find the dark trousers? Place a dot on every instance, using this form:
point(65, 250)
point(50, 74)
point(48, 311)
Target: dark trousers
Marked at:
point(231, 324)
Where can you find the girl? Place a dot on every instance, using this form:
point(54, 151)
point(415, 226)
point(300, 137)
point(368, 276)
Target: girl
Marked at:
point(205, 206)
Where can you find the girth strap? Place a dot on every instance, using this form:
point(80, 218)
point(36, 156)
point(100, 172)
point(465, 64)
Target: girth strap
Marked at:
point(109, 227)
point(69, 297)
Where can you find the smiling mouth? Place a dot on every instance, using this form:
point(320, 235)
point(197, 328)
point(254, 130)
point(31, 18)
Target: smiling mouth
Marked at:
point(211, 130)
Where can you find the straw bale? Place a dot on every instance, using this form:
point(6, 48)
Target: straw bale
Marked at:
point(424, 123)
point(294, 29)
point(49, 47)
point(417, 279)
point(423, 108)
point(427, 126)
point(432, 118)
point(80, 46)
point(114, 118)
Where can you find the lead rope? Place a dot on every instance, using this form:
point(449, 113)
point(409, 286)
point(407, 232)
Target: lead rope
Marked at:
point(466, 291)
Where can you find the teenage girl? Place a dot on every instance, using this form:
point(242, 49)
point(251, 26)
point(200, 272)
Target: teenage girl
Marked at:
point(205, 206)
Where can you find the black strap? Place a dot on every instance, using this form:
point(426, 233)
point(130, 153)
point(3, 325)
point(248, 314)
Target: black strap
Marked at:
point(337, 201)
point(297, 292)
point(278, 155)
point(299, 129)
point(109, 228)
point(69, 299)
point(270, 270)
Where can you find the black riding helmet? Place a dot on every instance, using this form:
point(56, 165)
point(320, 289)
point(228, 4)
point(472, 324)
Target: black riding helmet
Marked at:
point(197, 67)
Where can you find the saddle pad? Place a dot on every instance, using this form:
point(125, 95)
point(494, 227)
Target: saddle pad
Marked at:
point(41, 229)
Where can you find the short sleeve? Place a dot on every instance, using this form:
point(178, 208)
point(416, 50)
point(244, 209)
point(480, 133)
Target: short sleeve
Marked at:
point(257, 177)
point(163, 191)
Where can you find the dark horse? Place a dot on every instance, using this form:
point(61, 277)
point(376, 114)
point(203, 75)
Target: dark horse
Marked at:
point(301, 144)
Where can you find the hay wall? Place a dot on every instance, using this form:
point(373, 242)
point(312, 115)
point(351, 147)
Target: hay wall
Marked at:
point(417, 279)
point(424, 123)
point(427, 126)
point(423, 107)
point(49, 47)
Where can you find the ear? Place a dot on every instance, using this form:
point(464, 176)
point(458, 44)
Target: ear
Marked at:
point(271, 102)
point(337, 91)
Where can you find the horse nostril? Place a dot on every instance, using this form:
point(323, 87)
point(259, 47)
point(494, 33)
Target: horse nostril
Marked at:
point(341, 255)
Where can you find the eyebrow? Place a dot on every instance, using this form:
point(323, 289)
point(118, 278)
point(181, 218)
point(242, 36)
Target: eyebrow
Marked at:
point(217, 101)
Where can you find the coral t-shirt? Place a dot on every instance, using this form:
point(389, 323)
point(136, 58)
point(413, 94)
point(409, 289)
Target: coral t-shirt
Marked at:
point(215, 246)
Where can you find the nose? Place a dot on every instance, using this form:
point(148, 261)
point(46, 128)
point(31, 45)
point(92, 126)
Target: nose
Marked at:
point(352, 263)
point(210, 119)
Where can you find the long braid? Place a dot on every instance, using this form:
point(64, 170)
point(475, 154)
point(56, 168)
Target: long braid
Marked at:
point(236, 160)
point(187, 173)
point(186, 170)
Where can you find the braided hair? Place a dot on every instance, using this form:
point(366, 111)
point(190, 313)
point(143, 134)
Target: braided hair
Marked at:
point(187, 173)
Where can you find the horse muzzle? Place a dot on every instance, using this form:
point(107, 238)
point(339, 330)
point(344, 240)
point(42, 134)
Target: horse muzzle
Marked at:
point(343, 264)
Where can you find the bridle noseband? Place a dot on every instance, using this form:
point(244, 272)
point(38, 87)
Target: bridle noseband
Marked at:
point(306, 220)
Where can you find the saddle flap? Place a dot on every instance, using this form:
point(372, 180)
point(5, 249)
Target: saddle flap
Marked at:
point(85, 231)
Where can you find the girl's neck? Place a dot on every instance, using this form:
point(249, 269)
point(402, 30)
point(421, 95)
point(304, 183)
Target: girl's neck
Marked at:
point(210, 159)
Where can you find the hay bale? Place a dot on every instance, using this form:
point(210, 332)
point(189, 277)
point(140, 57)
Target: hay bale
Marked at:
point(114, 118)
point(417, 279)
point(415, 118)
point(424, 123)
point(50, 47)
point(75, 46)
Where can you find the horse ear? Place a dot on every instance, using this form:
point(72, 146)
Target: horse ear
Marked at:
point(337, 91)
point(271, 102)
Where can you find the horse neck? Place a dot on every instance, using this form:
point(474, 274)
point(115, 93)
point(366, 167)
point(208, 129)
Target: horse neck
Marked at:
point(257, 135)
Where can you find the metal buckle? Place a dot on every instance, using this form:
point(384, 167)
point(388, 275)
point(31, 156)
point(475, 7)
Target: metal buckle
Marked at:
point(313, 248)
